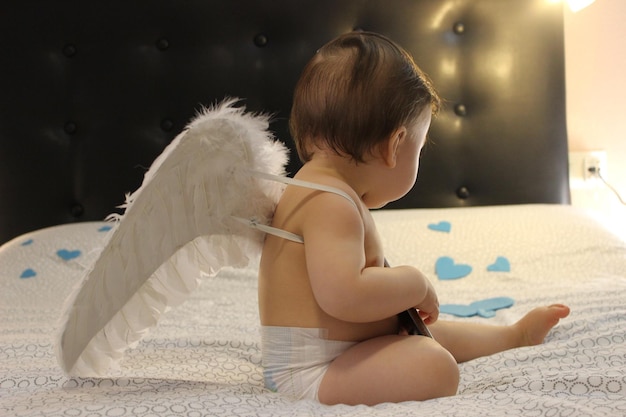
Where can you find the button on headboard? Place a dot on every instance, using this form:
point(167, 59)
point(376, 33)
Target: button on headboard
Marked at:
point(93, 91)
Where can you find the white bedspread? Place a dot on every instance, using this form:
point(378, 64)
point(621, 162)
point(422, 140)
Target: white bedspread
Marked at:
point(203, 358)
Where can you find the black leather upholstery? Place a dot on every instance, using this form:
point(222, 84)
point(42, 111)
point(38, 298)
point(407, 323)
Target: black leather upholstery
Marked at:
point(91, 92)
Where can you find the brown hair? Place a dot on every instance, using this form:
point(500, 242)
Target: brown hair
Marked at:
point(354, 93)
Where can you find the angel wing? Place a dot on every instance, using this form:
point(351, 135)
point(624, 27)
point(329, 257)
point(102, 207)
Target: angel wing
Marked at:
point(183, 222)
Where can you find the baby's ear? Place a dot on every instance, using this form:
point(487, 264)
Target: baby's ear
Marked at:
point(389, 148)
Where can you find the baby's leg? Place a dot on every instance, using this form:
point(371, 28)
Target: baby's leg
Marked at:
point(466, 340)
point(390, 369)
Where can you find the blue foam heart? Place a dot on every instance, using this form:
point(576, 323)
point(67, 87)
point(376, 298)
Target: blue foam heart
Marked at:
point(442, 226)
point(105, 228)
point(27, 242)
point(67, 255)
point(28, 273)
point(491, 304)
point(459, 310)
point(501, 264)
point(446, 269)
point(485, 313)
point(483, 308)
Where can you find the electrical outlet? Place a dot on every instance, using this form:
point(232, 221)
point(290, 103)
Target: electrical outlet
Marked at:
point(591, 167)
point(594, 165)
point(585, 167)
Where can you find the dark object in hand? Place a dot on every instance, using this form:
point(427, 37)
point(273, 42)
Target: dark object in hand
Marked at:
point(411, 320)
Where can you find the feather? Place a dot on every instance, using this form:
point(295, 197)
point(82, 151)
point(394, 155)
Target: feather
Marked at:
point(177, 227)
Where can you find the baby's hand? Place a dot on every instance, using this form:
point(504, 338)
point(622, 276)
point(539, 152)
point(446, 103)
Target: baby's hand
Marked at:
point(429, 307)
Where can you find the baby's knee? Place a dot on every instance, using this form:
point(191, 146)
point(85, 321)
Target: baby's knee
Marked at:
point(453, 375)
point(446, 373)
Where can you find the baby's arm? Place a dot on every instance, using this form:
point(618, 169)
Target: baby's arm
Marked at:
point(343, 285)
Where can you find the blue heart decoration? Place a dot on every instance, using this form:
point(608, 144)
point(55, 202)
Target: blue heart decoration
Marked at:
point(27, 242)
point(442, 226)
point(28, 273)
point(483, 308)
point(459, 310)
point(486, 313)
point(67, 255)
point(501, 264)
point(446, 269)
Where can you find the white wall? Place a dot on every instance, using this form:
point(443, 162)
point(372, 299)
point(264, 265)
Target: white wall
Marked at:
point(595, 61)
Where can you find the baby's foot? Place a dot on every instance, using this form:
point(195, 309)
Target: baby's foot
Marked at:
point(536, 324)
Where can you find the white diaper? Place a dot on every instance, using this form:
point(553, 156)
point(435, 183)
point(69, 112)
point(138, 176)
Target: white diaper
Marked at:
point(295, 359)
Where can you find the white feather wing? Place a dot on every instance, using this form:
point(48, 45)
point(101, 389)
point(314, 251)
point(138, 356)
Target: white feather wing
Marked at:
point(177, 226)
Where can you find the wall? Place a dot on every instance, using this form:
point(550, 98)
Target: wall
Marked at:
point(595, 56)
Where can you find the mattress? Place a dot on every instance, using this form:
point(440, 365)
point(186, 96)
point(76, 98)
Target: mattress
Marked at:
point(203, 357)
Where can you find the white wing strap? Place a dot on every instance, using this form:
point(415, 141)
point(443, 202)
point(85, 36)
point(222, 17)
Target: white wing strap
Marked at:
point(291, 181)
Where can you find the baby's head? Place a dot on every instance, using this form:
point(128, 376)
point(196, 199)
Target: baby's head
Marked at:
point(354, 93)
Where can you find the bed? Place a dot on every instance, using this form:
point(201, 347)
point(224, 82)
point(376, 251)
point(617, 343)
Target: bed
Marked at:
point(492, 198)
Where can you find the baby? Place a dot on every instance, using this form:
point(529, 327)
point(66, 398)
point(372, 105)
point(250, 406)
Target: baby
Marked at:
point(328, 306)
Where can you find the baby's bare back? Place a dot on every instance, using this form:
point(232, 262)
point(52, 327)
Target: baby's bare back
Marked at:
point(286, 297)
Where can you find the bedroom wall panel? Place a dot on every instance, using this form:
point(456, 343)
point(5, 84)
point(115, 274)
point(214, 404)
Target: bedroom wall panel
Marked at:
point(92, 92)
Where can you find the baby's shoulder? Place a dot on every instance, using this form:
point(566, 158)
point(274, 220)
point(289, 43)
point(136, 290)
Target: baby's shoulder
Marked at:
point(307, 186)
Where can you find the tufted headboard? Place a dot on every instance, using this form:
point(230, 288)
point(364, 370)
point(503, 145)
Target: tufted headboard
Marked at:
point(91, 92)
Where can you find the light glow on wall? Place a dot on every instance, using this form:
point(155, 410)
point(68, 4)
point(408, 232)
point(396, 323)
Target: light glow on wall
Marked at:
point(576, 5)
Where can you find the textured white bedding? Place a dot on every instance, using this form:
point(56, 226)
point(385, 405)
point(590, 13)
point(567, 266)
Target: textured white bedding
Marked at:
point(203, 357)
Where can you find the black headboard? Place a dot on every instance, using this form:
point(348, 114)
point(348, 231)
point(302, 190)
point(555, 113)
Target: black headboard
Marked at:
point(91, 92)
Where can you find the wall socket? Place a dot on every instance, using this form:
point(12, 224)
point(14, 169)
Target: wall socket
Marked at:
point(594, 165)
point(587, 166)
